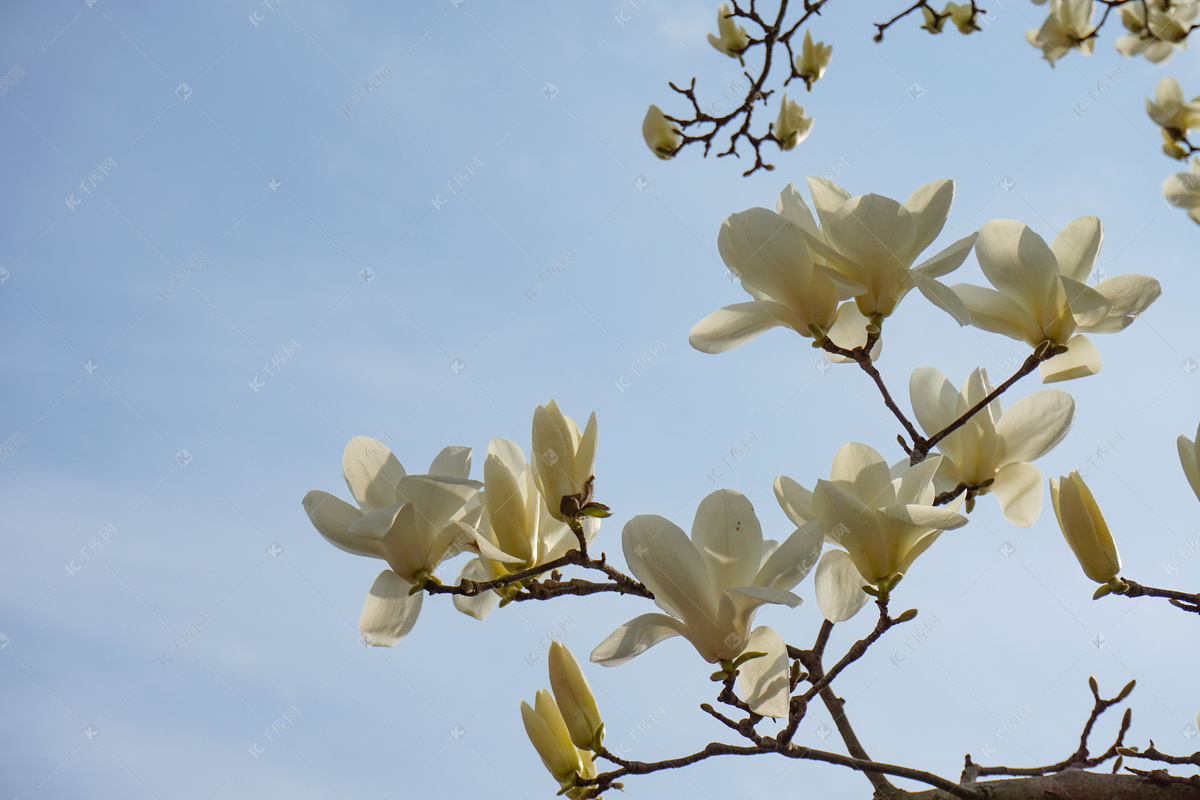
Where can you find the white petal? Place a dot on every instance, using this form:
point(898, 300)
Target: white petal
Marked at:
point(791, 206)
point(1017, 262)
point(1034, 425)
point(734, 325)
point(372, 473)
point(452, 462)
point(1188, 460)
point(763, 682)
point(943, 297)
point(1129, 295)
point(1081, 360)
point(996, 312)
point(949, 259)
point(860, 469)
point(839, 586)
point(794, 499)
point(635, 637)
point(760, 595)
point(661, 556)
point(938, 517)
point(1018, 487)
point(728, 537)
point(874, 231)
point(934, 399)
point(1077, 246)
point(481, 604)
point(333, 517)
point(929, 206)
point(792, 560)
point(390, 611)
point(1088, 306)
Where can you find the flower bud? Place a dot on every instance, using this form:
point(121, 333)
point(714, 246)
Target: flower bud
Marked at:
point(661, 135)
point(562, 457)
point(813, 59)
point(792, 127)
point(1084, 528)
point(548, 732)
point(575, 700)
point(733, 39)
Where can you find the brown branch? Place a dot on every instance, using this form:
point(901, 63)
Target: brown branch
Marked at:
point(1079, 759)
point(621, 582)
point(1183, 600)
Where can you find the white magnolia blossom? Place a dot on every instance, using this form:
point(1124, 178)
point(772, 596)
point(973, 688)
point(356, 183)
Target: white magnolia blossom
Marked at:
point(1068, 27)
point(993, 444)
point(411, 521)
point(882, 523)
point(662, 136)
point(934, 22)
point(792, 127)
point(516, 532)
point(870, 242)
point(963, 16)
point(767, 251)
point(562, 456)
point(1170, 111)
point(1041, 296)
point(733, 39)
point(710, 586)
point(1156, 35)
point(813, 60)
point(1189, 457)
point(1183, 190)
point(574, 697)
point(1084, 528)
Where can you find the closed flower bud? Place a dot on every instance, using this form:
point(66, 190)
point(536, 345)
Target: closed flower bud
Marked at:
point(813, 59)
point(562, 457)
point(575, 699)
point(661, 135)
point(792, 127)
point(1084, 528)
point(548, 732)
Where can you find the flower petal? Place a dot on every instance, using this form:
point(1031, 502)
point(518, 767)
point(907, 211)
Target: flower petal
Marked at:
point(1081, 359)
point(860, 469)
point(1088, 306)
point(1018, 487)
point(372, 473)
point(481, 604)
point(452, 462)
point(1129, 296)
point(1017, 262)
point(1076, 247)
point(332, 517)
point(661, 556)
point(1035, 424)
point(794, 499)
point(636, 637)
point(934, 399)
point(728, 537)
point(793, 559)
point(929, 206)
point(763, 682)
point(996, 312)
point(1188, 460)
point(839, 586)
point(734, 325)
point(390, 611)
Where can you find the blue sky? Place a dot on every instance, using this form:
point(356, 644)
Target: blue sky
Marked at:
point(320, 220)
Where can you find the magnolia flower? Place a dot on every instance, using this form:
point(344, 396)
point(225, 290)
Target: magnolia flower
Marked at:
point(767, 251)
point(870, 243)
point(933, 21)
point(1084, 528)
point(1183, 190)
point(1189, 457)
point(1171, 147)
point(992, 445)
point(1170, 111)
point(1040, 294)
point(813, 60)
point(733, 39)
point(792, 127)
point(411, 521)
point(1068, 27)
point(661, 135)
point(711, 586)
point(1156, 36)
point(516, 532)
point(963, 16)
point(546, 729)
point(575, 699)
point(563, 460)
point(882, 523)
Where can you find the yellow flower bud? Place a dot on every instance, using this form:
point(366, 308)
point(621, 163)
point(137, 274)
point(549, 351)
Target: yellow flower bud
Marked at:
point(575, 699)
point(1084, 528)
